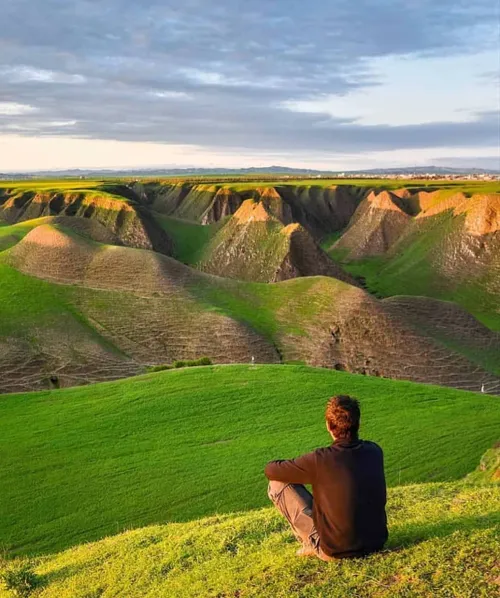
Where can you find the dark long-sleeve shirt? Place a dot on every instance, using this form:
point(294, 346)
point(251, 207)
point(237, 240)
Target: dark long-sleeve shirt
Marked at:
point(349, 493)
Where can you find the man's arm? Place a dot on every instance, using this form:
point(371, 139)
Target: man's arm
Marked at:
point(301, 470)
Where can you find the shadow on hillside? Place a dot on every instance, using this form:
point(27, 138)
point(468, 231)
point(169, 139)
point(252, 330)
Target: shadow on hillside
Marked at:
point(403, 536)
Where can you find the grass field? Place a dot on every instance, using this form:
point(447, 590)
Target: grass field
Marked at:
point(27, 302)
point(246, 183)
point(443, 543)
point(45, 184)
point(81, 463)
point(243, 184)
point(467, 187)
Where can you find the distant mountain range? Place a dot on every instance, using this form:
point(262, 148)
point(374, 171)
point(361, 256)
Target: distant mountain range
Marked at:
point(266, 170)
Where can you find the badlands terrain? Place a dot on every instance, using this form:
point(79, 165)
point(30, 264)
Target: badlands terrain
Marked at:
point(105, 279)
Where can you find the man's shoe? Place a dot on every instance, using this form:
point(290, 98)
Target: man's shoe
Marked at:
point(307, 550)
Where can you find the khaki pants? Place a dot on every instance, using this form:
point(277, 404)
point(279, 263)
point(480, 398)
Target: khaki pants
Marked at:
point(295, 503)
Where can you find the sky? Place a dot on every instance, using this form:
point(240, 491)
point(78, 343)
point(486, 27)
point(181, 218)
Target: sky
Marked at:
point(329, 84)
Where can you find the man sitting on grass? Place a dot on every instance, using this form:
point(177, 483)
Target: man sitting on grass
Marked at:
point(347, 516)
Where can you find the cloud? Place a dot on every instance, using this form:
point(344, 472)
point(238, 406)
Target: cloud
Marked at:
point(15, 109)
point(220, 74)
point(24, 74)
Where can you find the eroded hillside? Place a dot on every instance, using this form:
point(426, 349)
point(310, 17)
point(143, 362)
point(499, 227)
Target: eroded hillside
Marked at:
point(127, 220)
point(321, 210)
point(91, 295)
point(262, 243)
point(436, 244)
point(121, 309)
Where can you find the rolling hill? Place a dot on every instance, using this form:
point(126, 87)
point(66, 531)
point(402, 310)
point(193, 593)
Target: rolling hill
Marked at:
point(85, 311)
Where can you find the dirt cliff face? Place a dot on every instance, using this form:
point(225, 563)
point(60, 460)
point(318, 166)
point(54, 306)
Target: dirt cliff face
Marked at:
point(322, 210)
point(306, 258)
point(482, 214)
point(319, 210)
point(205, 204)
point(260, 244)
point(131, 224)
point(376, 225)
point(461, 237)
point(225, 203)
point(386, 223)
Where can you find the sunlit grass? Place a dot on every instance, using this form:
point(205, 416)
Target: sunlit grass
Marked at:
point(85, 462)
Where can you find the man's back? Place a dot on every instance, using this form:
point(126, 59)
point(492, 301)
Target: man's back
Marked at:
point(349, 492)
point(349, 498)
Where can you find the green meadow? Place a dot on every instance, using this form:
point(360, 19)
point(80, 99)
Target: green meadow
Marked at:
point(467, 187)
point(50, 184)
point(85, 462)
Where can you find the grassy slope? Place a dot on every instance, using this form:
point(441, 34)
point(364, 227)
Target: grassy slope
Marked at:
point(84, 462)
point(12, 234)
point(190, 238)
point(26, 302)
point(410, 272)
point(261, 304)
point(443, 542)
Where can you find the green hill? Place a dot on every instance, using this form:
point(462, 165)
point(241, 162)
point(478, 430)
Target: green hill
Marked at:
point(85, 311)
point(261, 243)
point(443, 543)
point(84, 462)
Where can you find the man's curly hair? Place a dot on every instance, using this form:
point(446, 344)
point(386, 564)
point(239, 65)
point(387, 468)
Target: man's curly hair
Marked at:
point(342, 415)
